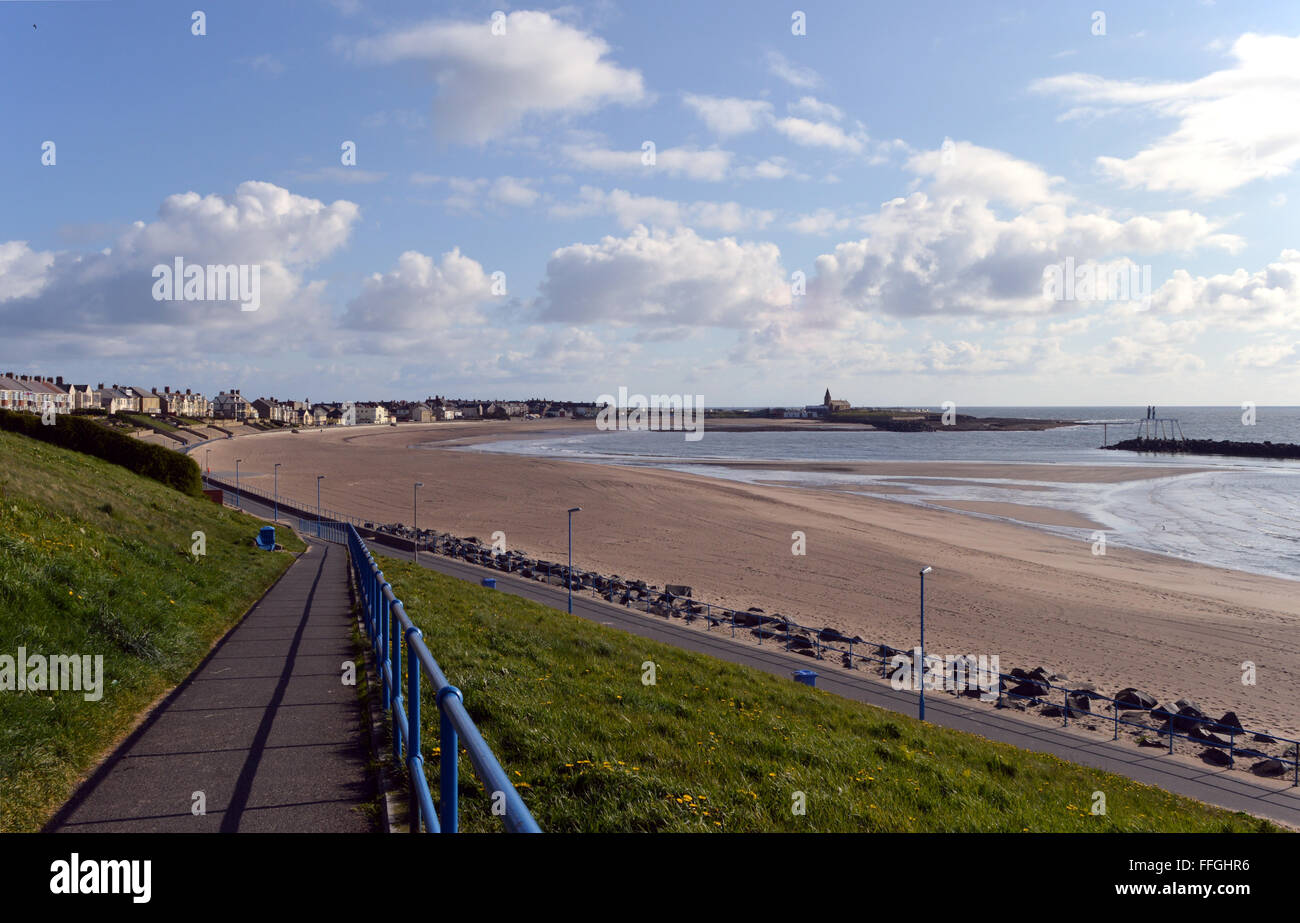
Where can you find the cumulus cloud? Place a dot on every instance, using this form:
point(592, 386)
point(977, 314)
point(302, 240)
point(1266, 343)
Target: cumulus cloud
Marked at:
point(948, 250)
point(1233, 125)
point(662, 279)
point(489, 84)
point(1268, 298)
point(104, 299)
point(419, 299)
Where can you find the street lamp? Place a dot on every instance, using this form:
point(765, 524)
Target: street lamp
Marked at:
point(237, 461)
point(415, 513)
point(925, 570)
point(576, 509)
point(276, 474)
point(319, 478)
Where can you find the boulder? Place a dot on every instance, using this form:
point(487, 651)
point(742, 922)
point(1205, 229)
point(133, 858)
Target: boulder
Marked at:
point(1135, 698)
point(1269, 767)
point(1263, 739)
point(1215, 757)
point(1079, 703)
point(1030, 689)
point(1228, 723)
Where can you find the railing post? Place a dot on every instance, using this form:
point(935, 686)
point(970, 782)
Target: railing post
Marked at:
point(382, 645)
point(395, 667)
point(449, 764)
point(415, 761)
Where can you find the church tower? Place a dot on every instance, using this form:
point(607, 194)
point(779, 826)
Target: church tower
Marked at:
point(826, 401)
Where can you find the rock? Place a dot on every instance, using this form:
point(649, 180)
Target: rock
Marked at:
point(1189, 706)
point(1189, 717)
point(1148, 742)
point(1052, 711)
point(1140, 718)
point(808, 652)
point(1263, 739)
point(1215, 757)
point(1135, 698)
point(1083, 686)
point(1268, 767)
point(1229, 722)
point(1030, 689)
point(799, 643)
point(1079, 703)
point(830, 634)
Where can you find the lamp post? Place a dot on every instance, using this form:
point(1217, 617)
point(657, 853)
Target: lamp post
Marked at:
point(415, 513)
point(925, 570)
point(237, 461)
point(576, 509)
point(319, 478)
point(276, 474)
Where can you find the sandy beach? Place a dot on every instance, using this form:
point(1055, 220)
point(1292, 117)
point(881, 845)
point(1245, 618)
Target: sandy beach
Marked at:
point(1172, 627)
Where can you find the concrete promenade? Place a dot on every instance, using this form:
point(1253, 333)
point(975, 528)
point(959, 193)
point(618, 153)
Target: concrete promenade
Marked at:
point(264, 728)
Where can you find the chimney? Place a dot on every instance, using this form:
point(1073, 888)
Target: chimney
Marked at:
point(59, 380)
point(99, 387)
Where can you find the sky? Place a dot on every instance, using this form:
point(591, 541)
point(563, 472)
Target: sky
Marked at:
point(906, 203)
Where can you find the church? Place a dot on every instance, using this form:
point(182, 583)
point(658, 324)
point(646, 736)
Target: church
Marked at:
point(828, 406)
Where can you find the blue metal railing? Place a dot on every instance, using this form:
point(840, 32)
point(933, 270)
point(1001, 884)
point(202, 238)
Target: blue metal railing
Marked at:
point(388, 625)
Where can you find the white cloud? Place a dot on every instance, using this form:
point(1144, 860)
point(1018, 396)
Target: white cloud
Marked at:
point(820, 134)
point(711, 165)
point(814, 108)
point(727, 116)
point(946, 250)
point(631, 210)
point(418, 298)
point(803, 77)
point(104, 299)
point(1233, 125)
point(489, 84)
point(660, 279)
point(1267, 299)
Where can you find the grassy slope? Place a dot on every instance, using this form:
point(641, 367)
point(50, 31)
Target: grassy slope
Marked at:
point(717, 747)
point(95, 559)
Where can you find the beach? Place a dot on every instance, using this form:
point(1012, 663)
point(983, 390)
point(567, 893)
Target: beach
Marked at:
point(1126, 618)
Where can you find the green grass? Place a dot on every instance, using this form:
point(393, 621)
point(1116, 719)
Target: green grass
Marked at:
point(96, 560)
point(148, 422)
point(717, 747)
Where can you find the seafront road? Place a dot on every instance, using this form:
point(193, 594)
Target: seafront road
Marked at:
point(264, 728)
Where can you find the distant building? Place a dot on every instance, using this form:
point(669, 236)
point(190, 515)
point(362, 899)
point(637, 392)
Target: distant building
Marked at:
point(231, 405)
point(371, 413)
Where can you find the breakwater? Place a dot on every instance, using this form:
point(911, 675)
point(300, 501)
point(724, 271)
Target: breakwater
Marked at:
point(1210, 447)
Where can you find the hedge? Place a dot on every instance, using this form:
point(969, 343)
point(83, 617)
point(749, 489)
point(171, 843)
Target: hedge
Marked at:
point(82, 434)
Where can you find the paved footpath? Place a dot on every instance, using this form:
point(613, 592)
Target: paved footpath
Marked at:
point(264, 728)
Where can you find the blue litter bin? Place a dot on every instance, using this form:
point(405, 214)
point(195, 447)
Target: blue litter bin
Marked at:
point(807, 677)
point(266, 538)
point(490, 582)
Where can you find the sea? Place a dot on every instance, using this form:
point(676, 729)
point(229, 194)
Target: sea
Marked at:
point(1242, 514)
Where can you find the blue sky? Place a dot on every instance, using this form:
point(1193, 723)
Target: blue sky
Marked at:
point(921, 166)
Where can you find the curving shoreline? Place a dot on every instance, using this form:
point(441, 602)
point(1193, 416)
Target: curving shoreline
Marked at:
point(1128, 618)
